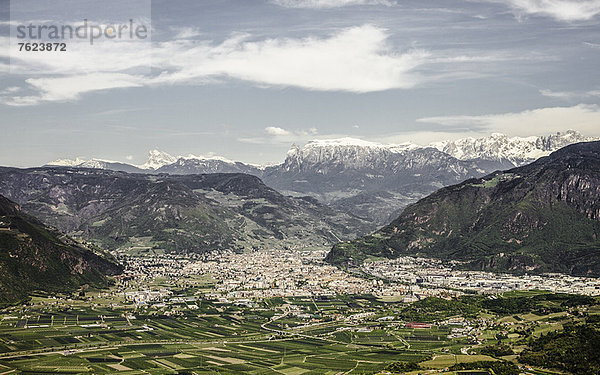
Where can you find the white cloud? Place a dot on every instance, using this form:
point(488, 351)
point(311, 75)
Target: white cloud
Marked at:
point(591, 45)
point(10, 90)
point(570, 95)
point(584, 118)
point(187, 32)
point(357, 59)
point(274, 130)
point(61, 89)
point(324, 4)
point(277, 135)
point(562, 10)
point(426, 137)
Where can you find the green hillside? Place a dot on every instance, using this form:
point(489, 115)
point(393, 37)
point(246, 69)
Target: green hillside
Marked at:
point(35, 257)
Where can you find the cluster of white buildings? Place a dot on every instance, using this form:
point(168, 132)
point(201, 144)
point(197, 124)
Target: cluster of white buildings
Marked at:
point(289, 273)
point(433, 273)
point(284, 273)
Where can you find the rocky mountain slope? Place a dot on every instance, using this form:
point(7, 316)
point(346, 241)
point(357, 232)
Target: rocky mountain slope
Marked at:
point(200, 165)
point(188, 213)
point(543, 217)
point(367, 178)
point(34, 257)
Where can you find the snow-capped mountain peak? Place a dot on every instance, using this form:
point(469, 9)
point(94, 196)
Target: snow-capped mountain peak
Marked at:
point(355, 142)
point(517, 150)
point(349, 153)
point(355, 154)
point(342, 142)
point(82, 163)
point(352, 143)
point(157, 159)
point(207, 158)
point(67, 162)
point(97, 163)
point(294, 149)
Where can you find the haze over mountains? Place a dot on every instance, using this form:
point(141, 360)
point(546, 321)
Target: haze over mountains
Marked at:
point(360, 177)
point(542, 217)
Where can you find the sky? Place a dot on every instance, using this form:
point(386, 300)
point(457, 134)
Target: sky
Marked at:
point(245, 79)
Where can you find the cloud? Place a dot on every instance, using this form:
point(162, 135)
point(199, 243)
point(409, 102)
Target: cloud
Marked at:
point(584, 118)
point(60, 89)
point(274, 130)
point(591, 45)
point(187, 32)
point(325, 4)
point(570, 95)
point(10, 90)
point(562, 10)
point(277, 135)
point(426, 137)
point(357, 59)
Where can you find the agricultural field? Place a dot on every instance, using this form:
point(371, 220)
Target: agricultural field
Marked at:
point(189, 330)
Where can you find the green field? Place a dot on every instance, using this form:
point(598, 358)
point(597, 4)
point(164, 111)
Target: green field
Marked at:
point(184, 331)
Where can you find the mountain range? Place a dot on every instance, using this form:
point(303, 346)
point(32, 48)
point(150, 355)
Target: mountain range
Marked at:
point(181, 213)
point(517, 151)
point(361, 178)
point(34, 257)
point(541, 217)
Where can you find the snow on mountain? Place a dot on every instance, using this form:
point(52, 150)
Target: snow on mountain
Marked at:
point(207, 158)
point(193, 164)
point(157, 159)
point(559, 140)
point(82, 163)
point(323, 156)
point(98, 164)
point(517, 150)
point(357, 153)
point(354, 142)
point(351, 165)
point(66, 162)
point(348, 152)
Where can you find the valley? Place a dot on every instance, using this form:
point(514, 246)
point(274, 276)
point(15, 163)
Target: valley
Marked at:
point(300, 187)
point(230, 314)
point(220, 273)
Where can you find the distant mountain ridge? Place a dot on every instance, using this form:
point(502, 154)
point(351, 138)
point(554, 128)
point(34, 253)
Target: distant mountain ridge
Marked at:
point(497, 146)
point(364, 178)
point(35, 257)
point(542, 217)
